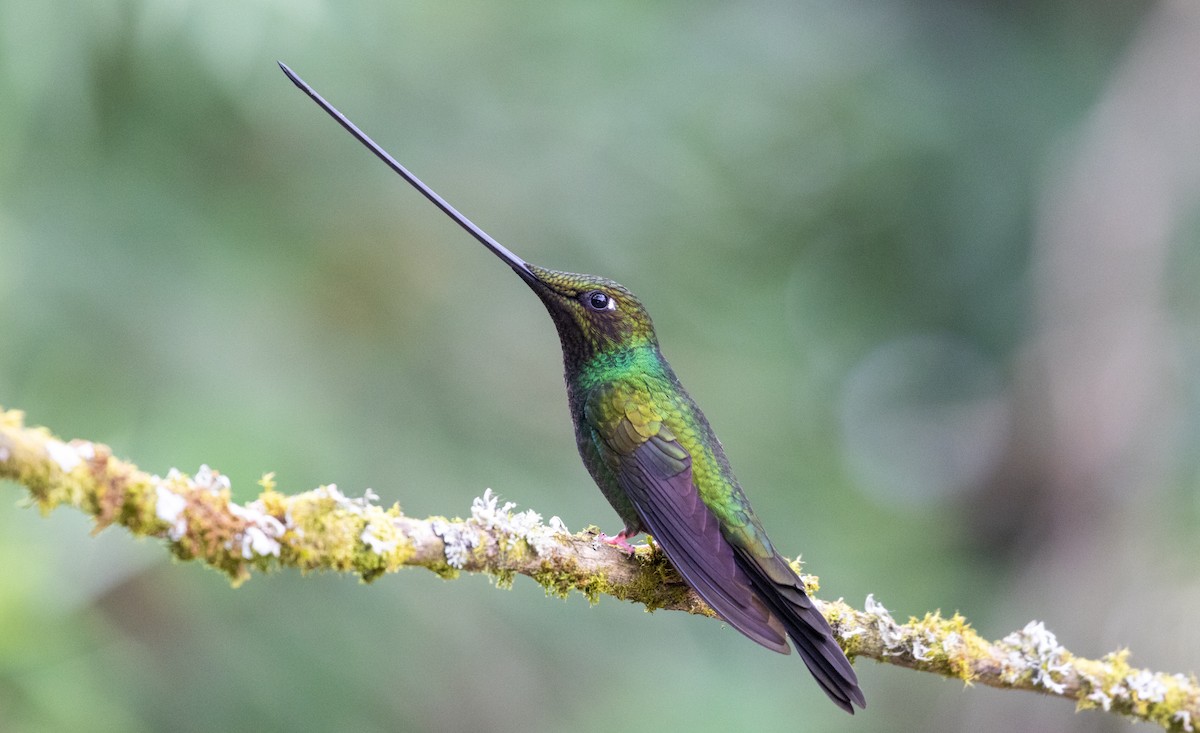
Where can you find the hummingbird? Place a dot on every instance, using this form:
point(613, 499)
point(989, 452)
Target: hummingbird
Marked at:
point(654, 456)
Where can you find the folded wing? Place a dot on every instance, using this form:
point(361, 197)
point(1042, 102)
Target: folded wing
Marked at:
point(748, 585)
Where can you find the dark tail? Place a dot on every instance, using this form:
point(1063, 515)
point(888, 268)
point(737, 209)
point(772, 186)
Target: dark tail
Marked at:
point(808, 629)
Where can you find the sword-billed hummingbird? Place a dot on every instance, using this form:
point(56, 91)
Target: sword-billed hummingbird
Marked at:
point(652, 453)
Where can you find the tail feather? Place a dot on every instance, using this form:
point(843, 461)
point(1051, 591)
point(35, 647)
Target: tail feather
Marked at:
point(809, 631)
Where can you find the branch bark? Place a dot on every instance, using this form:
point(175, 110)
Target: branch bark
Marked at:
point(324, 529)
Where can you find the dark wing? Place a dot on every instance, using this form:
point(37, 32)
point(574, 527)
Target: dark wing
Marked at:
point(746, 582)
point(655, 472)
point(688, 532)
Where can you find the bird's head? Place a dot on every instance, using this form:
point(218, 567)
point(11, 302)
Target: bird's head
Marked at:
point(593, 315)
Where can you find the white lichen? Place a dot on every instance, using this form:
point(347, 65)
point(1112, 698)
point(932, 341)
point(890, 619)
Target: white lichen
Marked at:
point(458, 538)
point(526, 525)
point(256, 542)
point(1147, 686)
point(209, 480)
point(1013, 667)
point(953, 643)
point(1184, 718)
point(371, 538)
point(488, 513)
point(490, 517)
point(889, 631)
point(169, 506)
point(1101, 698)
point(920, 651)
point(522, 526)
point(898, 640)
point(1036, 648)
point(5, 453)
point(357, 506)
point(62, 454)
point(262, 533)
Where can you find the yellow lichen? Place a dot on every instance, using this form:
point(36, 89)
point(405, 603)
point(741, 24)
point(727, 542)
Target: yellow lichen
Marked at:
point(321, 535)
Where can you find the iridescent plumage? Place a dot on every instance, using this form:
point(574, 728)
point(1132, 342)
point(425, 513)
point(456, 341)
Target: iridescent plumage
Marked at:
point(652, 453)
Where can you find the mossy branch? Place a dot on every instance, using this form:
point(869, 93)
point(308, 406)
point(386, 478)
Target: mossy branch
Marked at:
point(323, 529)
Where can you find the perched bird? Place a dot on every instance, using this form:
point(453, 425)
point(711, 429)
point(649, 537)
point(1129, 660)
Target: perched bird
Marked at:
point(651, 451)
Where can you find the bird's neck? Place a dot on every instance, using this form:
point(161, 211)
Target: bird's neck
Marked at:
point(586, 371)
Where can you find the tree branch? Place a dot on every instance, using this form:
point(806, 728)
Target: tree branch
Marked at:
point(324, 529)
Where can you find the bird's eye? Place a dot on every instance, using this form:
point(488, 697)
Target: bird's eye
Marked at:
point(599, 301)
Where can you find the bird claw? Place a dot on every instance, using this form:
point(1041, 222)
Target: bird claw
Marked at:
point(620, 541)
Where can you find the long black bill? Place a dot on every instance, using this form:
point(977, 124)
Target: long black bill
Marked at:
point(484, 238)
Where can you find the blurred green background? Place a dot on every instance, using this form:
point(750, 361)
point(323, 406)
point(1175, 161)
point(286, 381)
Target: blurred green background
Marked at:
point(929, 267)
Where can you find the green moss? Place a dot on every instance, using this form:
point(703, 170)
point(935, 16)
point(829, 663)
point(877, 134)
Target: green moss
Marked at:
point(557, 581)
point(504, 578)
point(560, 581)
point(445, 570)
point(322, 535)
point(137, 510)
point(370, 575)
point(594, 585)
point(657, 585)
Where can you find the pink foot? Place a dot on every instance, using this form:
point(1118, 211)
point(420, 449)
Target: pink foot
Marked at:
point(620, 541)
